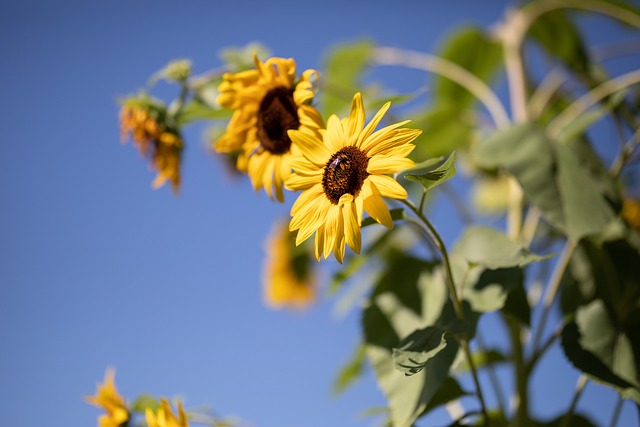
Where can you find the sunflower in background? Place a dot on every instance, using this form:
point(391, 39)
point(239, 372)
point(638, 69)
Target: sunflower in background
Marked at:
point(288, 273)
point(145, 121)
point(164, 416)
point(108, 398)
point(267, 103)
point(345, 173)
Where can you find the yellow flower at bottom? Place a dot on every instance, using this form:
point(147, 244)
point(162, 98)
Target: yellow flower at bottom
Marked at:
point(343, 175)
point(164, 416)
point(288, 279)
point(267, 102)
point(107, 397)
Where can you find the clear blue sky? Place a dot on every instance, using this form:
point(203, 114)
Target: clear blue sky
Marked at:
point(97, 269)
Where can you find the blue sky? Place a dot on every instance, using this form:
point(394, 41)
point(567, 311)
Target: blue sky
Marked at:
point(97, 269)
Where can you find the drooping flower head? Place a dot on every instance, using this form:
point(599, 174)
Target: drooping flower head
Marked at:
point(145, 121)
point(164, 416)
point(345, 173)
point(267, 103)
point(288, 276)
point(107, 397)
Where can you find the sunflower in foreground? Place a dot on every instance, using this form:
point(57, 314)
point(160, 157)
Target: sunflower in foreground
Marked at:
point(164, 416)
point(267, 103)
point(288, 276)
point(343, 174)
point(145, 121)
point(107, 397)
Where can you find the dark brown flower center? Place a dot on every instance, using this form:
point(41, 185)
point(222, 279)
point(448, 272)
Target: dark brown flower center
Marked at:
point(344, 173)
point(277, 114)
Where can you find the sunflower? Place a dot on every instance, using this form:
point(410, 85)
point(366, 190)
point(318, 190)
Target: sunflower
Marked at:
point(344, 173)
point(288, 278)
point(266, 105)
point(108, 398)
point(164, 416)
point(145, 121)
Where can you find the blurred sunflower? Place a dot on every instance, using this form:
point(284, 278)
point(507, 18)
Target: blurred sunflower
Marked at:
point(145, 122)
point(267, 103)
point(107, 397)
point(631, 212)
point(164, 416)
point(343, 173)
point(288, 276)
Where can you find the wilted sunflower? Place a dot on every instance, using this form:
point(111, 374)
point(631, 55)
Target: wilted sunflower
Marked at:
point(267, 103)
point(344, 173)
point(145, 121)
point(288, 276)
point(164, 416)
point(107, 397)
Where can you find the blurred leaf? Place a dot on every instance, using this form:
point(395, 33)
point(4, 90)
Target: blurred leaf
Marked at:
point(197, 110)
point(143, 402)
point(517, 304)
point(343, 68)
point(484, 358)
point(437, 176)
point(241, 58)
point(552, 176)
point(557, 34)
point(351, 371)
point(491, 248)
point(473, 49)
point(577, 420)
point(445, 128)
point(586, 211)
point(449, 390)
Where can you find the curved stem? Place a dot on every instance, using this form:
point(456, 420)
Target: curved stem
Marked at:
point(449, 70)
point(580, 385)
point(616, 413)
point(552, 289)
point(457, 304)
point(586, 101)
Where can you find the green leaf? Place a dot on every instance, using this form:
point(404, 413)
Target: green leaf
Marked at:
point(449, 390)
point(517, 304)
point(144, 402)
point(586, 211)
point(483, 358)
point(416, 349)
point(437, 176)
point(445, 128)
point(197, 110)
point(552, 176)
point(557, 34)
point(351, 371)
point(474, 50)
point(491, 248)
point(343, 68)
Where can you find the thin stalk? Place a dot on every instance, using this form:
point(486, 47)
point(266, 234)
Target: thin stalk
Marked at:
point(493, 378)
point(543, 349)
point(449, 70)
point(520, 372)
point(580, 385)
point(457, 303)
point(553, 287)
point(616, 413)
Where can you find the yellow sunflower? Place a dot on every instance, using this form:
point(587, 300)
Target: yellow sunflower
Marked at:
point(288, 278)
point(345, 172)
point(267, 103)
point(164, 416)
point(107, 397)
point(144, 121)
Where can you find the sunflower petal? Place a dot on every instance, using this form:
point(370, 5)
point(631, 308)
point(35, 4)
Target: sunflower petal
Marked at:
point(312, 148)
point(371, 126)
point(352, 227)
point(375, 206)
point(356, 119)
point(334, 136)
point(388, 187)
point(379, 165)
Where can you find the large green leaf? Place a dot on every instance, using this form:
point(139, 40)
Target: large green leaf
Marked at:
point(436, 176)
point(445, 128)
point(557, 34)
point(473, 49)
point(492, 249)
point(343, 68)
point(553, 176)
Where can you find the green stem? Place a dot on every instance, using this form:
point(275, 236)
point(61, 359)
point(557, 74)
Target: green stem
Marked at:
point(520, 372)
point(457, 304)
point(616, 413)
point(580, 385)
